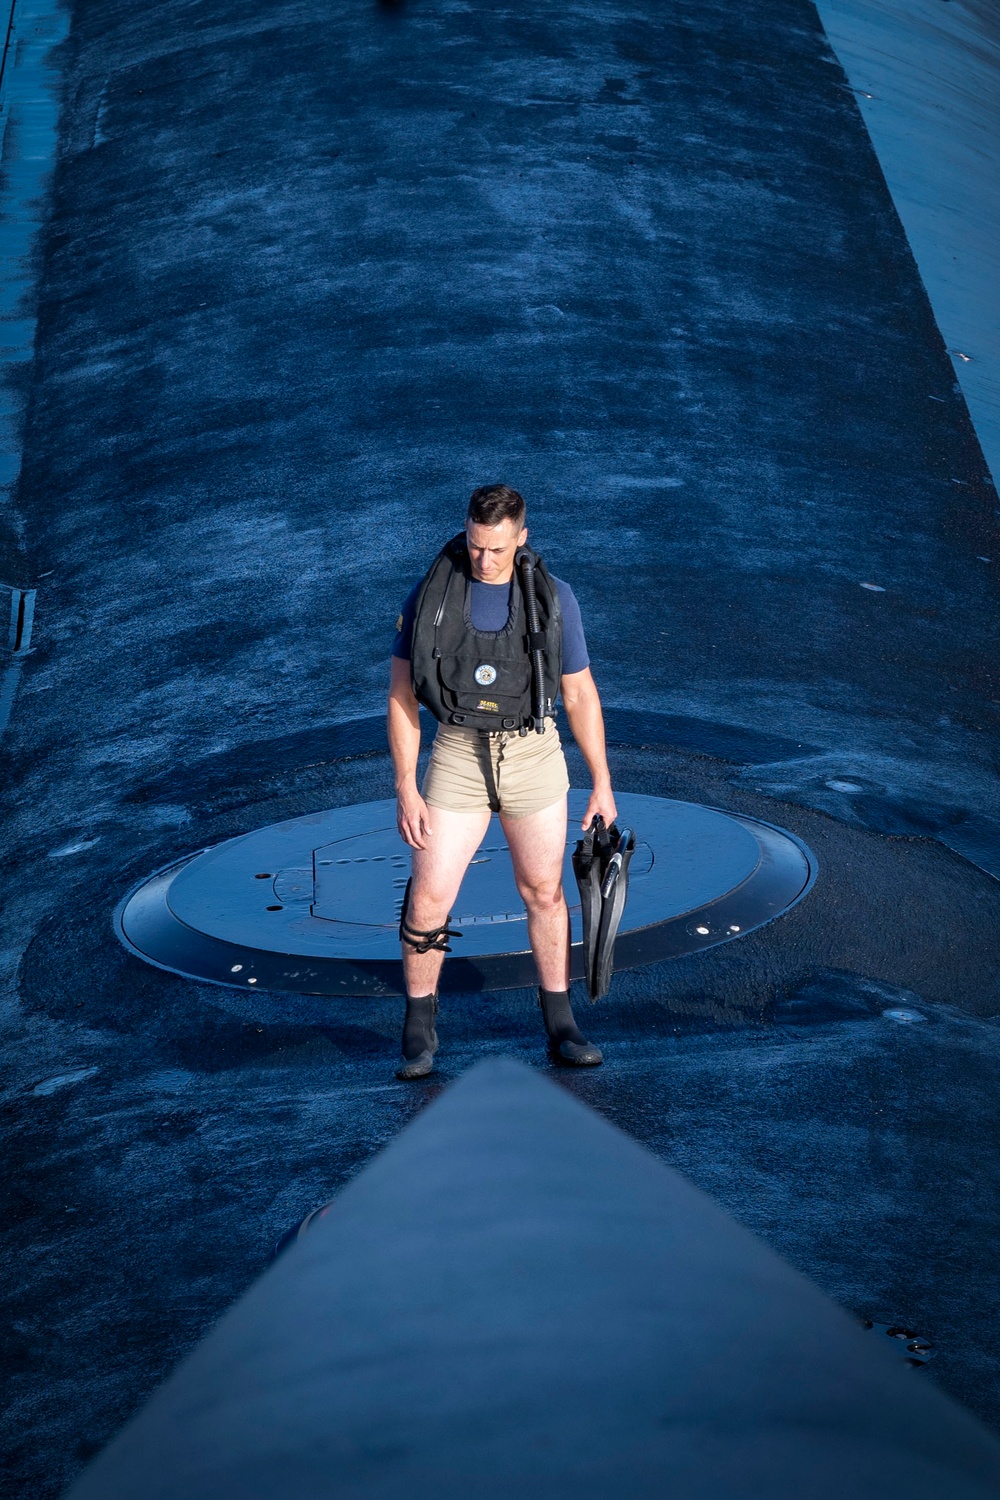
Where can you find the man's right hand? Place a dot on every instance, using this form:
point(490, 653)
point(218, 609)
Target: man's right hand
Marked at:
point(413, 818)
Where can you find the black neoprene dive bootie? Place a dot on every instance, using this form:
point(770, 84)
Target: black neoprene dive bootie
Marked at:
point(419, 1037)
point(567, 1044)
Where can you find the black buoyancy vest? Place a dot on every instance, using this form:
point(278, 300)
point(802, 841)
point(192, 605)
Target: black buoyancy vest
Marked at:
point(480, 678)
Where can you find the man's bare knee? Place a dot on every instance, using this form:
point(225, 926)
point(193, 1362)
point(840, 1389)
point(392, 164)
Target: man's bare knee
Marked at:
point(542, 897)
point(428, 908)
point(431, 919)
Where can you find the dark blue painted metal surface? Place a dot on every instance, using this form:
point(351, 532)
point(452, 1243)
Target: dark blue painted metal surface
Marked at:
point(311, 272)
point(516, 1300)
point(313, 904)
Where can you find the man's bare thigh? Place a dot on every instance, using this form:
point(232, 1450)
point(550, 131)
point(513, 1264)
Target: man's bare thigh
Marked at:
point(438, 869)
point(537, 844)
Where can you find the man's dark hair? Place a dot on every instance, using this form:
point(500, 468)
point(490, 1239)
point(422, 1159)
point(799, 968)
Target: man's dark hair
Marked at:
point(493, 503)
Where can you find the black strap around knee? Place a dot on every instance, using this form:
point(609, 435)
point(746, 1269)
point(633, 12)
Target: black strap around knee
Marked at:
point(422, 942)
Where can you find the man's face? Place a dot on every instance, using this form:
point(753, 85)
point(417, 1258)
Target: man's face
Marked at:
point(491, 550)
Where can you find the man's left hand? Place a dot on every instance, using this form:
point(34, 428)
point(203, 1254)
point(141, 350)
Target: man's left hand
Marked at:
point(601, 804)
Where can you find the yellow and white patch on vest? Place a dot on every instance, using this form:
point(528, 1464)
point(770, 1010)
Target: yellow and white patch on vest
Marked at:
point(399, 623)
point(488, 705)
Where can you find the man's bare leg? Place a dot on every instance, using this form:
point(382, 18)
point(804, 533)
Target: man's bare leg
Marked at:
point(538, 847)
point(438, 870)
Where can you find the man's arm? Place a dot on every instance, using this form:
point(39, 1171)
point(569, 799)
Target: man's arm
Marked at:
point(403, 724)
point(583, 710)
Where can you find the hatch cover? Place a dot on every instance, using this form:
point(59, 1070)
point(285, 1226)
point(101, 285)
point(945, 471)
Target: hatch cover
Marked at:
point(312, 905)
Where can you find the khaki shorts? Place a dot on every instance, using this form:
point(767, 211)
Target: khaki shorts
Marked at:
point(530, 770)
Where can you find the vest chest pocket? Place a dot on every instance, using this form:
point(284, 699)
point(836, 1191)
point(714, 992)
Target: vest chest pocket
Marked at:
point(505, 694)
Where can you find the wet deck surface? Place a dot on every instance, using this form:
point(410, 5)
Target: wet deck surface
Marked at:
point(310, 274)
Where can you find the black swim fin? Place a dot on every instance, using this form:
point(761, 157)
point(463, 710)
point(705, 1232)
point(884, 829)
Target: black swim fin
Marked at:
point(600, 863)
point(614, 891)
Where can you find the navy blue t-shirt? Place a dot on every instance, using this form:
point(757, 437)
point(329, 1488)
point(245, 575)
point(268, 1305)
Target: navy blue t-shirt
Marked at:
point(490, 606)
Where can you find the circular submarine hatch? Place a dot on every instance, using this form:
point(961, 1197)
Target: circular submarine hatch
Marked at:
point(312, 905)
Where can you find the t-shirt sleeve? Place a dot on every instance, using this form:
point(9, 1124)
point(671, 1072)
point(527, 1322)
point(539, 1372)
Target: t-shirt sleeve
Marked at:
point(574, 643)
point(404, 625)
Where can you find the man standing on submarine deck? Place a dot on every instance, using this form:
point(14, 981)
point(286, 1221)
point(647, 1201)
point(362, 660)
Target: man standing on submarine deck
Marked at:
point(463, 648)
